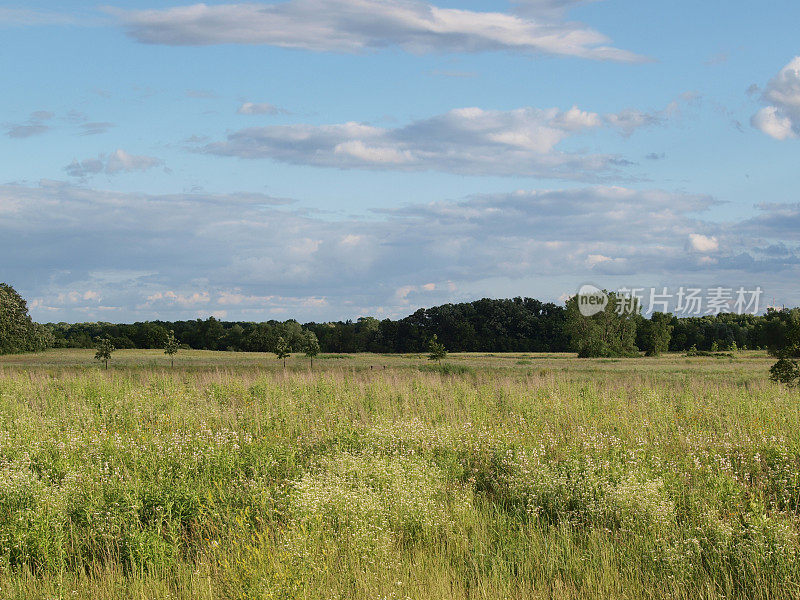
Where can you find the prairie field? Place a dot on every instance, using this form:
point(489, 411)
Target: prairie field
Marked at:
point(391, 477)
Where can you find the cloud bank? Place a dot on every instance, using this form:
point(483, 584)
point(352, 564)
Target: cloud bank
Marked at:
point(249, 254)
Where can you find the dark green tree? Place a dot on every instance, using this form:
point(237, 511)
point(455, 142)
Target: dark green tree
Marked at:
point(18, 332)
point(104, 349)
point(780, 333)
point(785, 371)
point(610, 332)
point(654, 334)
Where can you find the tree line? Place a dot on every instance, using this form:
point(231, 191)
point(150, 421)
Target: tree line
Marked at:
point(518, 325)
point(513, 325)
point(487, 325)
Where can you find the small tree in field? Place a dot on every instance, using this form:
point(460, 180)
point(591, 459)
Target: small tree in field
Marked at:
point(171, 347)
point(436, 350)
point(104, 350)
point(311, 346)
point(282, 350)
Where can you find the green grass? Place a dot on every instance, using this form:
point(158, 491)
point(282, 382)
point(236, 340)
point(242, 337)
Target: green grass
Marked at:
point(490, 476)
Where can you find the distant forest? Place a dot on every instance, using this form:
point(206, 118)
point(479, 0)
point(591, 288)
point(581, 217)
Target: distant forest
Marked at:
point(514, 325)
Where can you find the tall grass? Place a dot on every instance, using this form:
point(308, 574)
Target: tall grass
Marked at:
point(397, 483)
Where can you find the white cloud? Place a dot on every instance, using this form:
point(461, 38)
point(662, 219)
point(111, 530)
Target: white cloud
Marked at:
point(703, 243)
point(121, 161)
point(596, 259)
point(177, 255)
point(466, 141)
point(259, 108)
point(118, 161)
point(775, 123)
point(780, 118)
point(374, 155)
point(171, 297)
point(361, 25)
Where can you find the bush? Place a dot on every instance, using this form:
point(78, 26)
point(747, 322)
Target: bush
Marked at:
point(785, 371)
point(447, 369)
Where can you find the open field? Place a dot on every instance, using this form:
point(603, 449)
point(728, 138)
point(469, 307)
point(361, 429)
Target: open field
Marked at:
point(746, 365)
point(506, 476)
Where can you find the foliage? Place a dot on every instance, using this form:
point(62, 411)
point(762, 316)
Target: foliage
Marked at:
point(521, 324)
point(310, 346)
point(171, 347)
point(654, 334)
point(18, 333)
point(104, 349)
point(611, 332)
point(227, 483)
point(516, 325)
point(724, 328)
point(785, 371)
point(282, 350)
point(780, 333)
point(436, 350)
point(447, 369)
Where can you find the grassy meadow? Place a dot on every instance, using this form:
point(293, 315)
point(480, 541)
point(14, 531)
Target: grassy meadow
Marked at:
point(388, 477)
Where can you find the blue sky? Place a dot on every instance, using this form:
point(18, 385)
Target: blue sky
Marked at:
point(332, 159)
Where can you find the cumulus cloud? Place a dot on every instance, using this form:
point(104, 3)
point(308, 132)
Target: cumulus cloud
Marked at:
point(780, 118)
point(465, 141)
point(363, 25)
point(703, 243)
point(118, 161)
point(249, 254)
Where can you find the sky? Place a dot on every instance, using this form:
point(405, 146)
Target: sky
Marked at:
point(331, 159)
